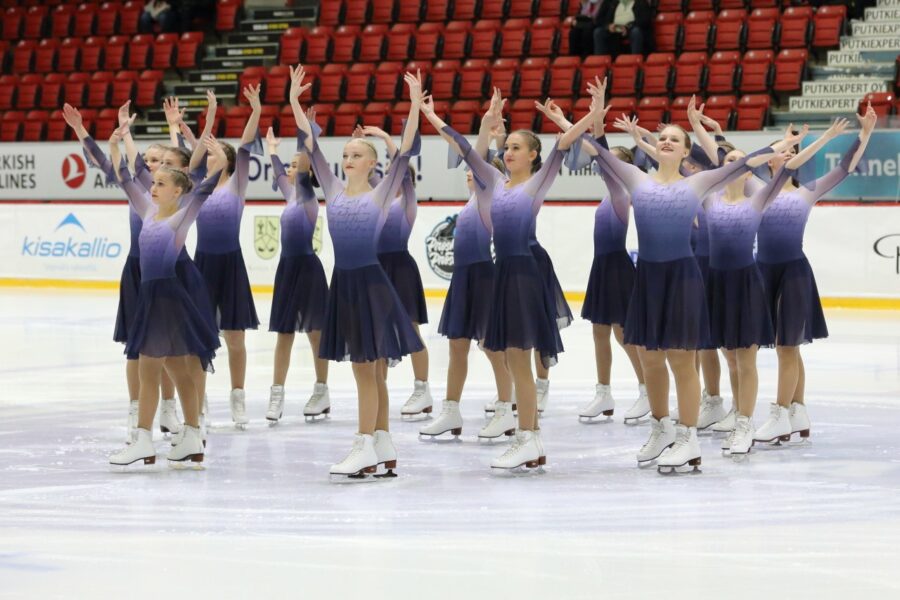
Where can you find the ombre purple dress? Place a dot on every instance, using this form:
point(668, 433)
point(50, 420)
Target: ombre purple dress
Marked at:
point(668, 305)
point(167, 320)
point(365, 320)
point(735, 293)
point(523, 312)
point(300, 298)
point(791, 288)
point(218, 254)
point(394, 256)
point(130, 281)
point(467, 308)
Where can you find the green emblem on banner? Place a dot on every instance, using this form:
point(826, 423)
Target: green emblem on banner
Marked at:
point(266, 233)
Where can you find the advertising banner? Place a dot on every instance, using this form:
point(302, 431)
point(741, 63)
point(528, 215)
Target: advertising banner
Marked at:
point(879, 176)
point(58, 171)
point(855, 251)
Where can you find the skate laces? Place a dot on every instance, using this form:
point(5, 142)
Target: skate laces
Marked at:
point(656, 432)
point(681, 439)
point(775, 412)
point(357, 448)
point(515, 447)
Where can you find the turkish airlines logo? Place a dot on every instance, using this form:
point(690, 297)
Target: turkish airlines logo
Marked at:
point(888, 246)
point(74, 171)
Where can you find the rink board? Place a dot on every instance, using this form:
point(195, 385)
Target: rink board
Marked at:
point(855, 250)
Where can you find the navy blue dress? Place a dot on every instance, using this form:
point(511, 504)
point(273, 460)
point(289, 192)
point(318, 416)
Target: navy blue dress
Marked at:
point(167, 321)
point(523, 311)
point(467, 308)
point(791, 289)
point(394, 256)
point(218, 254)
point(668, 305)
point(365, 319)
point(300, 297)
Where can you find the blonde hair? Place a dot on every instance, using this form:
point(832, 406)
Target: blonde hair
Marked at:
point(627, 154)
point(179, 179)
point(367, 143)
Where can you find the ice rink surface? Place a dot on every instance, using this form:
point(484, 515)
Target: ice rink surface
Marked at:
point(262, 520)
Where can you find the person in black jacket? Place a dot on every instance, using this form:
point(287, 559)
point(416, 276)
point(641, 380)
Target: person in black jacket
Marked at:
point(621, 22)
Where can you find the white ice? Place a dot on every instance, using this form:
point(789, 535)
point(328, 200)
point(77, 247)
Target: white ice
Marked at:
point(262, 520)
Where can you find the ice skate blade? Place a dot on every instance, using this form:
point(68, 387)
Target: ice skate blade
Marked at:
point(740, 457)
point(525, 469)
point(194, 462)
point(324, 413)
point(389, 467)
point(241, 426)
point(358, 477)
point(422, 415)
point(644, 418)
point(596, 420)
point(690, 467)
point(435, 437)
point(490, 439)
point(147, 460)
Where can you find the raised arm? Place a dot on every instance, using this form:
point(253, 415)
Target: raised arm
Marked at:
point(555, 114)
point(384, 136)
point(138, 197)
point(331, 185)
point(251, 129)
point(199, 153)
point(491, 120)
point(193, 201)
point(762, 195)
point(280, 179)
point(410, 136)
point(187, 136)
point(706, 141)
point(615, 171)
point(386, 190)
point(706, 182)
point(485, 175)
point(638, 134)
point(814, 191)
point(173, 116)
point(837, 128)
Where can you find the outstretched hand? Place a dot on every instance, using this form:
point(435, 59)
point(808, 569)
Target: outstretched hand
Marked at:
point(251, 93)
point(272, 141)
point(868, 120)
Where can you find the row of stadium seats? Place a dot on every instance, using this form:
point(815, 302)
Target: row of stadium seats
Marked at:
point(91, 18)
point(429, 41)
point(757, 71)
point(359, 12)
point(746, 113)
point(547, 36)
point(95, 53)
point(95, 90)
point(764, 28)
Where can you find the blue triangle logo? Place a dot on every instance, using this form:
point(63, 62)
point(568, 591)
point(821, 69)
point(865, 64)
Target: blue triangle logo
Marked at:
point(70, 219)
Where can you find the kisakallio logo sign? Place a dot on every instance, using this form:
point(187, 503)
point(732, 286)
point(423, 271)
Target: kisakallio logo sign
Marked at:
point(266, 236)
point(70, 239)
point(439, 248)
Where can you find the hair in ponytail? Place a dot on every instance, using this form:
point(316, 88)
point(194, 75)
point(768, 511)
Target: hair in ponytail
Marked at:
point(179, 179)
point(625, 154)
point(184, 156)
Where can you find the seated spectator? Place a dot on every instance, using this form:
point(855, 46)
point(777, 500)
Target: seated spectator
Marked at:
point(621, 22)
point(581, 36)
point(157, 11)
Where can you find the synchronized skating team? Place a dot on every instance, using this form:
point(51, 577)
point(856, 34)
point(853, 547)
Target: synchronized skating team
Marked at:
point(697, 288)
